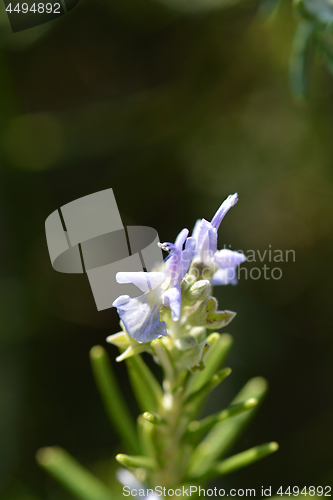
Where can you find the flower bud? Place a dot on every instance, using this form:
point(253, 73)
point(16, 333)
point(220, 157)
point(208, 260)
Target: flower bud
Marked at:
point(199, 291)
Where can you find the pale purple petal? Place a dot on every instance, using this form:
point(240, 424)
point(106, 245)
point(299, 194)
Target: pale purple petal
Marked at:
point(172, 299)
point(144, 281)
point(201, 233)
point(208, 246)
point(196, 229)
point(172, 268)
point(186, 257)
point(121, 300)
point(141, 315)
point(180, 240)
point(227, 258)
point(225, 277)
point(224, 208)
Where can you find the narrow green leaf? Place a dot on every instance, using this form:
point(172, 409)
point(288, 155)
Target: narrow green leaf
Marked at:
point(112, 398)
point(197, 428)
point(146, 432)
point(240, 460)
point(148, 391)
point(205, 389)
point(136, 461)
point(223, 435)
point(319, 12)
point(300, 60)
point(72, 475)
point(213, 359)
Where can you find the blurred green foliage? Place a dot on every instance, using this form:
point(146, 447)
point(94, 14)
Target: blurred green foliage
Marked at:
point(174, 108)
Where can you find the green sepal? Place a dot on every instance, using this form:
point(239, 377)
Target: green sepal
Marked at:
point(188, 353)
point(112, 398)
point(220, 346)
point(223, 435)
point(72, 475)
point(132, 351)
point(128, 346)
point(120, 339)
point(207, 315)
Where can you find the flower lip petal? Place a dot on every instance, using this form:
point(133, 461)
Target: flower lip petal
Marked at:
point(121, 300)
point(143, 280)
point(141, 316)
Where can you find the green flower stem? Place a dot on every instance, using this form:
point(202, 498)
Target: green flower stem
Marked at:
point(113, 401)
point(148, 391)
point(78, 480)
point(240, 460)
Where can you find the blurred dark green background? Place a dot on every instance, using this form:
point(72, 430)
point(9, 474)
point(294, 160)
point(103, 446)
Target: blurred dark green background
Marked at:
point(174, 108)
